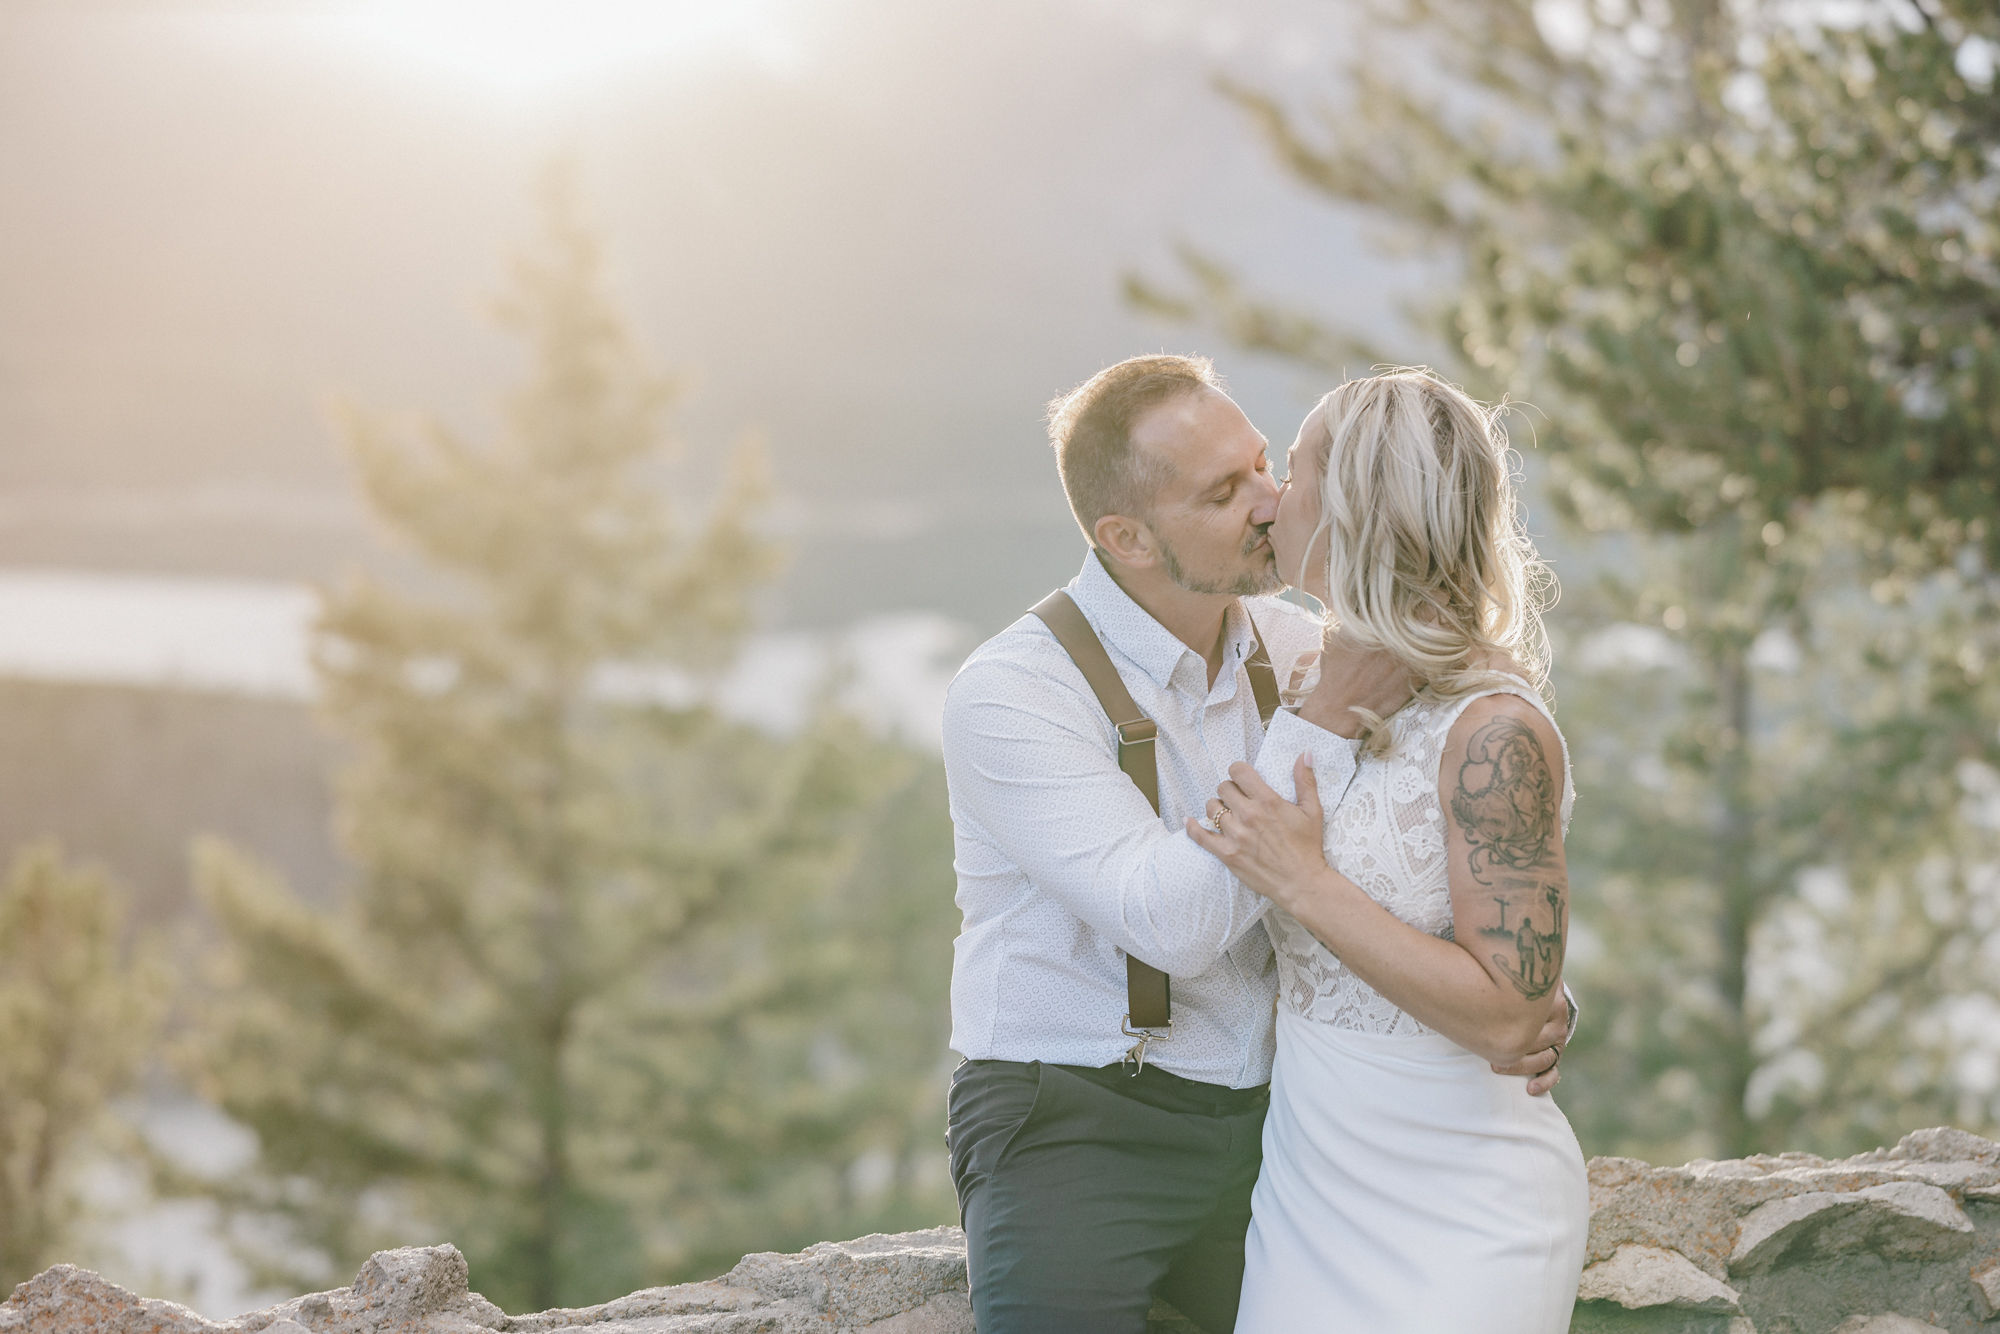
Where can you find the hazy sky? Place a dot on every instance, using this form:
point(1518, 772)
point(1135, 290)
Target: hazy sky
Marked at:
point(881, 232)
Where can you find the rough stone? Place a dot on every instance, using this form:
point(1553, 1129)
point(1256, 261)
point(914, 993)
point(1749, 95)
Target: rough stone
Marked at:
point(64, 1299)
point(856, 1283)
point(1637, 1277)
point(1900, 1219)
point(411, 1282)
point(1878, 1241)
point(1696, 1208)
point(1938, 1144)
point(1986, 1289)
point(1611, 1318)
point(707, 1298)
point(943, 1313)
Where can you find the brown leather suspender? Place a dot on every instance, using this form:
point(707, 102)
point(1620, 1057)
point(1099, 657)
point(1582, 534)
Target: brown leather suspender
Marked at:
point(1148, 995)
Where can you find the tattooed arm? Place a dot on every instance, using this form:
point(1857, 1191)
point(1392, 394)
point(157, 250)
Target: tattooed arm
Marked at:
point(1495, 987)
point(1500, 784)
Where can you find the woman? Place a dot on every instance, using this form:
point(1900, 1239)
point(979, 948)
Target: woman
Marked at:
point(1406, 1186)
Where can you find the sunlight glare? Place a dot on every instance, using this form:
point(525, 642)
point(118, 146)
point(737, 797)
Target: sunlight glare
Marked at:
point(537, 45)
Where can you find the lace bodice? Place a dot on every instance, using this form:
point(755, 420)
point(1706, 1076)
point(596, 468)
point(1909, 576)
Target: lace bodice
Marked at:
point(1385, 831)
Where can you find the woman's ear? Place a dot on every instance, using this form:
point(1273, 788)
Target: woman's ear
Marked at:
point(1126, 540)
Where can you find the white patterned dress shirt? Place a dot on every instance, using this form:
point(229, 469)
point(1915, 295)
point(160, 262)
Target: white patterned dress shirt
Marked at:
point(1063, 866)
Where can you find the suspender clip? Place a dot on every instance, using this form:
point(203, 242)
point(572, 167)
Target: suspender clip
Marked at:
point(1136, 1057)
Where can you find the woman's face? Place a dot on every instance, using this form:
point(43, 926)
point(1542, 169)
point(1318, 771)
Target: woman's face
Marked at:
point(1298, 510)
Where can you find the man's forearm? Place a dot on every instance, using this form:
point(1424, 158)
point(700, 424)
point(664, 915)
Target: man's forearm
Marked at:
point(1178, 908)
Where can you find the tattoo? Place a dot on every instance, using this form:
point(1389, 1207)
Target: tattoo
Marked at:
point(1506, 799)
point(1537, 956)
point(1506, 806)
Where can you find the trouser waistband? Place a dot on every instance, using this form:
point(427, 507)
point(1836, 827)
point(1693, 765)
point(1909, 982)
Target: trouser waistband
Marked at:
point(1158, 1088)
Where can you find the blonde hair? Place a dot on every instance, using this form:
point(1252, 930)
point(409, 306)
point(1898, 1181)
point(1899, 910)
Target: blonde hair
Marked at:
point(1426, 554)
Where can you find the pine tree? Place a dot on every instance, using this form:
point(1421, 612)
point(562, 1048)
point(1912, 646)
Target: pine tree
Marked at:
point(1748, 267)
point(79, 1007)
point(582, 1011)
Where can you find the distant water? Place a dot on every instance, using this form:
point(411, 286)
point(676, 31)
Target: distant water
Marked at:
point(233, 635)
point(249, 637)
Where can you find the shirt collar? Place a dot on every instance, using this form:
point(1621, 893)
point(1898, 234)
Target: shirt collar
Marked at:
point(1131, 628)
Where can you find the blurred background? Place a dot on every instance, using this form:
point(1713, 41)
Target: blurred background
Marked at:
point(491, 496)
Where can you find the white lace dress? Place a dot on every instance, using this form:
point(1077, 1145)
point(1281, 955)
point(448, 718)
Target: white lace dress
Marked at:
point(1406, 1188)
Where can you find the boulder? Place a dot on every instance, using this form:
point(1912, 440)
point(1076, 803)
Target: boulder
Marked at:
point(1986, 1289)
point(854, 1284)
point(1639, 1277)
point(911, 1283)
point(1885, 1324)
point(410, 1290)
point(688, 1299)
point(412, 1282)
point(1901, 1220)
point(1697, 1208)
point(1939, 1144)
point(67, 1300)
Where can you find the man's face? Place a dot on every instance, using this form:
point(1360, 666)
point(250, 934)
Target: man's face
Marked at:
point(1211, 513)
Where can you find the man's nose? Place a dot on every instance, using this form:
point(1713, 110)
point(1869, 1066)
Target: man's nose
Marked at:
point(1265, 511)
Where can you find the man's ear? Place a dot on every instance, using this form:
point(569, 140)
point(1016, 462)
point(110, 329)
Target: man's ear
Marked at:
point(1126, 540)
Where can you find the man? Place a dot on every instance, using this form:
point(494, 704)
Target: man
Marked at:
point(1094, 1172)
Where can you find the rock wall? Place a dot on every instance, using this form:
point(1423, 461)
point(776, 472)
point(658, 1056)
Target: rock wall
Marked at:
point(1897, 1241)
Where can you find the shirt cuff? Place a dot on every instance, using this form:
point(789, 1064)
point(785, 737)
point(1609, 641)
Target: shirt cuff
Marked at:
point(1334, 758)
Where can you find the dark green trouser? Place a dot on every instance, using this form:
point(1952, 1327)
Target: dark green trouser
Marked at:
point(1086, 1193)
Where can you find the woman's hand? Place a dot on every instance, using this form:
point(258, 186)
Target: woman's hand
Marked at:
point(1272, 845)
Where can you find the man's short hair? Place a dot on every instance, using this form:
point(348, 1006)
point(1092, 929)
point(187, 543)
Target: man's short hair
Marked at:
point(1091, 429)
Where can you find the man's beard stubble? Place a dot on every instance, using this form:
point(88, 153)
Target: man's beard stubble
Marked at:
point(1252, 583)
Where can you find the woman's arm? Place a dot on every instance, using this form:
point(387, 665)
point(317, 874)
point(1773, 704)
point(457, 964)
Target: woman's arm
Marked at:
point(1495, 989)
point(1500, 784)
